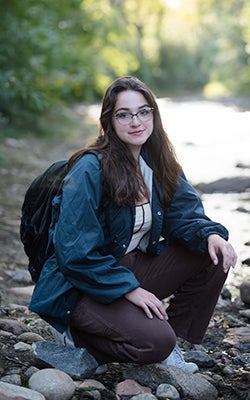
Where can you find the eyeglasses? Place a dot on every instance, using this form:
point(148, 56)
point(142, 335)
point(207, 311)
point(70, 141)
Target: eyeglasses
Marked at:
point(125, 118)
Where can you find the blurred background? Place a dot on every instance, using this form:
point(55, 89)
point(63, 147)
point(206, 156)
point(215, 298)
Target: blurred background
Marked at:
point(55, 54)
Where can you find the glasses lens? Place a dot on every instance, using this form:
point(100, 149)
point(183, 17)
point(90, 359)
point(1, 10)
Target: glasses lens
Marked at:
point(145, 114)
point(125, 118)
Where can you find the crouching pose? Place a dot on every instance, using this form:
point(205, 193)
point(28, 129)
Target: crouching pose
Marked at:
point(128, 231)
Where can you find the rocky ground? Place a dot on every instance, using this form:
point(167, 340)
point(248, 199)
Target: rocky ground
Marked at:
point(227, 343)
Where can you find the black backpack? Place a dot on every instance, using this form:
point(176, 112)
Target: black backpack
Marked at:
point(36, 216)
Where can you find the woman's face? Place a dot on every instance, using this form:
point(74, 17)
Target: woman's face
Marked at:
point(134, 130)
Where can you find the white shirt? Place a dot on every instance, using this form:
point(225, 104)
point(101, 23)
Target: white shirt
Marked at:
point(143, 214)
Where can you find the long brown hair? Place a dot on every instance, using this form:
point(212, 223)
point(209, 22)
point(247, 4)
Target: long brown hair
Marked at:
point(121, 181)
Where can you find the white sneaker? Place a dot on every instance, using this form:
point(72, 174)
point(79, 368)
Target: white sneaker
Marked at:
point(176, 359)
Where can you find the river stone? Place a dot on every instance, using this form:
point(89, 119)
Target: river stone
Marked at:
point(76, 362)
point(192, 386)
point(144, 396)
point(53, 384)
point(202, 359)
point(30, 337)
point(129, 387)
point(13, 326)
point(11, 391)
point(165, 391)
point(245, 292)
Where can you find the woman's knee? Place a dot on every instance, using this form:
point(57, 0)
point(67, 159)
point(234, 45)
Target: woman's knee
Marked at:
point(156, 346)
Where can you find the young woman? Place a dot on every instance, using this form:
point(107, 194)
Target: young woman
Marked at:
point(129, 231)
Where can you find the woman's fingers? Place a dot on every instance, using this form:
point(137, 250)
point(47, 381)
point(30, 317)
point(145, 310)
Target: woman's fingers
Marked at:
point(148, 302)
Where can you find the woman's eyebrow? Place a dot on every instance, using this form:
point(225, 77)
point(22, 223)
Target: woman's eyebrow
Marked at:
point(128, 109)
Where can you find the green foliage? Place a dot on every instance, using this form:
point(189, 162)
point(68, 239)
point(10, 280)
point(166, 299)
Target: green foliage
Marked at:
point(225, 30)
point(54, 53)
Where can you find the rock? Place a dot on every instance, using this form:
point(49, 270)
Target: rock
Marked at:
point(245, 292)
point(7, 334)
point(13, 326)
point(76, 362)
point(165, 391)
point(17, 307)
point(243, 360)
point(92, 395)
point(91, 383)
point(129, 387)
point(15, 379)
point(20, 276)
point(145, 396)
point(9, 390)
point(228, 370)
point(20, 346)
point(3, 397)
point(22, 291)
point(236, 184)
point(202, 359)
point(226, 294)
point(30, 337)
point(237, 335)
point(245, 313)
point(53, 384)
point(30, 371)
point(192, 386)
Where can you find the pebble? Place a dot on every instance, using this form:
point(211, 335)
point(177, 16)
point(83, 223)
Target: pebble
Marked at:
point(235, 336)
point(7, 389)
point(17, 307)
point(201, 358)
point(30, 337)
point(165, 391)
point(92, 395)
point(21, 346)
point(145, 396)
point(20, 275)
point(15, 379)
point(129, 387)
point(7, 334)
point(53, 384)
point(91, 383)
point(245, 292)
point(228, 370)
point(245, 313)
point(13, 326)
point(22, 291)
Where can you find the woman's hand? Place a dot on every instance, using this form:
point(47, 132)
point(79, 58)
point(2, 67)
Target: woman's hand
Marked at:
point(148, 302)
point(216, 245)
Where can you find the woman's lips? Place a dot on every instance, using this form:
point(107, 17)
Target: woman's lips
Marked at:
point(136, 133)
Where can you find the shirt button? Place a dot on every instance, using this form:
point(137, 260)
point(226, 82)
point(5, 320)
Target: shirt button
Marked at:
point(154, 242)
point(158, 212)
point(68, 312)
point(124, 246)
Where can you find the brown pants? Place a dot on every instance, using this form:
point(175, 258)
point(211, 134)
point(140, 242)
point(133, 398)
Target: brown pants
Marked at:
point(122, 332)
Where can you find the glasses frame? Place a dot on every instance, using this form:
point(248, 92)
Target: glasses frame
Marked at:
point(150, 109)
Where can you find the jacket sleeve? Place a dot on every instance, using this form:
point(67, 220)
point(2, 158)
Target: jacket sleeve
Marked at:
point(79, 237)
point(186, 220)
